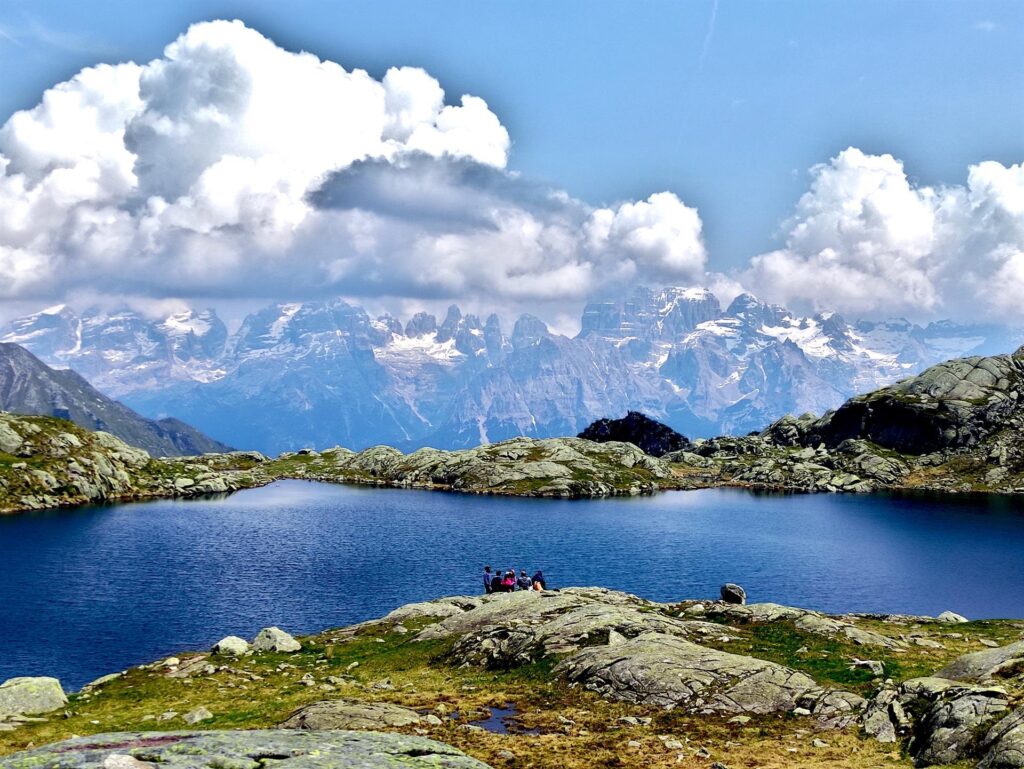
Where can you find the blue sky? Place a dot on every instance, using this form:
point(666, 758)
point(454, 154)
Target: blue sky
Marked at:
point(610, 99)
point(728, 105)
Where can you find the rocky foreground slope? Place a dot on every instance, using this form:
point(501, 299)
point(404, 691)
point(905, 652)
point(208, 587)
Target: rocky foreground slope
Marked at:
point(582, 677)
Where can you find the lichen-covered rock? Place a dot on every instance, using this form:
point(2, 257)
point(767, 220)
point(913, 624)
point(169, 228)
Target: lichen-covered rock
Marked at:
point(28, 695)
point(197, 715)
point(942, 719)
point(344, 714)
point(285, 748)
point(657, 669)
point(1004, 743)
point(948, 730)
point(273, 639)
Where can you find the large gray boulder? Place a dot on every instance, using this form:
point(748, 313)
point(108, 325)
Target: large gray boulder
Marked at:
point(231, 646)
point(285, 748)
point(273, 639)
point(987, 665)
point(28, 696)
point(10, 441)
point(669, 672)
point(343, 714)
point(732, 593)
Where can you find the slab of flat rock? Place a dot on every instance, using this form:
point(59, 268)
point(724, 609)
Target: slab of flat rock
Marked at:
point(439, 609)
point(510, 642)
point(526, 607)
point(990, 664)
point(344, 714)
point(670, 672)
point(285, 748)
point(29, 696)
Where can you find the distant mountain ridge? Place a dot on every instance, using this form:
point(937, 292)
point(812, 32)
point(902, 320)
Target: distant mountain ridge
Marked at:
point(28, 386)
point(318, 374)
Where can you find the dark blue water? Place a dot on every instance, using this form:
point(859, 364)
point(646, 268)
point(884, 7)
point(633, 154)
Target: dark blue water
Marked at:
point(91, 591)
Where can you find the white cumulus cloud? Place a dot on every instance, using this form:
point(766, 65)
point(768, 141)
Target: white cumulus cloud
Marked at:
point(865, 239)
point(232, 167)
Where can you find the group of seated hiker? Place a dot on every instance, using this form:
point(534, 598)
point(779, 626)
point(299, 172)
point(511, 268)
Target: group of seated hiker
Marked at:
point(498, 581)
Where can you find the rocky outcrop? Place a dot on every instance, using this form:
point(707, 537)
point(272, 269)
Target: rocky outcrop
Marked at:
point(954, 404)
point(249, 749)
point(629, 649)
point(959, 714)
point(942, 720)
point(807, 621)
point(708, 659)
point(650, 436)
point(554, 467)
point(47, 462)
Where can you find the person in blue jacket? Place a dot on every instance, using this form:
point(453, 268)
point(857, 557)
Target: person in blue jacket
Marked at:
point(487, 580)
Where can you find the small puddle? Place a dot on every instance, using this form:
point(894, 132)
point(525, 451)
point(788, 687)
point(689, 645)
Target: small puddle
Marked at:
point(501, 721)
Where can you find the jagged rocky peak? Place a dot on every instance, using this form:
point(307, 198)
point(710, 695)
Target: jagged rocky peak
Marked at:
point(421, 324)
point(529, 330)
point(466, 330)
point(194, 334)
point(388, 324)
point(450, 326)
point(755, 313)
point(49, 332)
point(300, 322)
point(651, 436)
point(667, 313)
point(498, 346)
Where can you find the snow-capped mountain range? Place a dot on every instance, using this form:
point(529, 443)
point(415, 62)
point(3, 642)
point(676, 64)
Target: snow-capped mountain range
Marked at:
point(318, 374)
